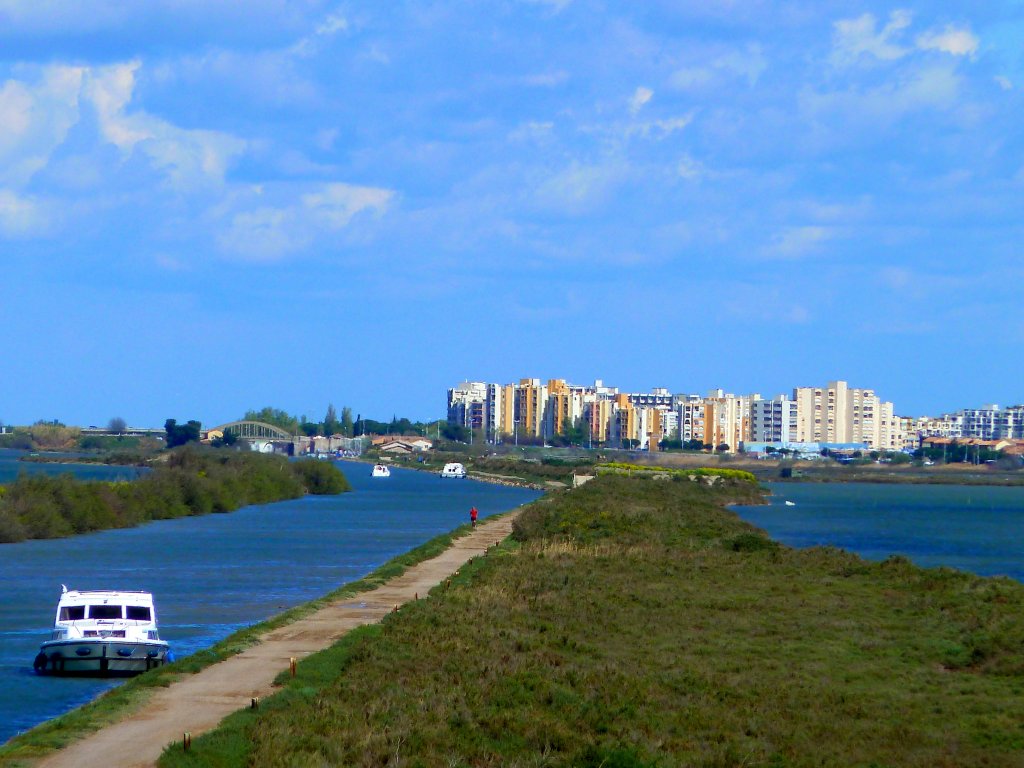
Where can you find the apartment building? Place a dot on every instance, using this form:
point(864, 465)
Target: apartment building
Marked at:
point(838, 413)
point(694, 416)
point(467, 405)
point(531, 402)
point(773, 421)
point(835, 413)
point(564, 407)
point(501, 410)
point(990, 422)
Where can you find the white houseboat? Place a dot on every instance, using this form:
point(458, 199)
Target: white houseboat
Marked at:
point(102, 633)
point(381, 470)
point(454, 470)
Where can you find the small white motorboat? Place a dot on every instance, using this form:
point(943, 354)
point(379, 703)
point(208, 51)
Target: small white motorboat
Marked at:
point(454, 470)
point(790, 503)
point(381, 470)
point(102, 633)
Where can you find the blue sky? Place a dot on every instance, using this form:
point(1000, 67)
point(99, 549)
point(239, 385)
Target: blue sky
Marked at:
point(207, 207)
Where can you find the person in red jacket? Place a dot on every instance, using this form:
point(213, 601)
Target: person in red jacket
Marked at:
point(472, 516)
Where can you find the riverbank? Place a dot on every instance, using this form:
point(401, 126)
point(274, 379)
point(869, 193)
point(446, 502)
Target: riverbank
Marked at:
point(636, 622)
point(134, 694)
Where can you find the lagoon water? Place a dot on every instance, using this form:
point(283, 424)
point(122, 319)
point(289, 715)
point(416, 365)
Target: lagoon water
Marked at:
point(11, 466)
point(214, 574)
point(974, 528)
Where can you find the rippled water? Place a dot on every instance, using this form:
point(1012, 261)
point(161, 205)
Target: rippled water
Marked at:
point(973, 528)
point(214, 574)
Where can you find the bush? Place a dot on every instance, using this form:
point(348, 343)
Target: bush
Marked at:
point(193, 482)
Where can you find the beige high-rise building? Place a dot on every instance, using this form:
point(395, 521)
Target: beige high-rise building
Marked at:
point(531, 400)
point(729, 419)
point(838, 413)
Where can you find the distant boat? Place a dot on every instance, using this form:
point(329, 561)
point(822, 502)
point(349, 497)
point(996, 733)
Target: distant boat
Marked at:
point(454, 470)
point(102, 633)
point(380, 470)
point(790, 503)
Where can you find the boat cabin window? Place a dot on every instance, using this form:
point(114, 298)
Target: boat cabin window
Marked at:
point(72, 613)
point(137, 612)
point(104, 611)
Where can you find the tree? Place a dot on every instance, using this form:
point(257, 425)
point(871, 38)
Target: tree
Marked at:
point(179, 434)
point(228, 439)
point(455, 432)
point(117, 424)
point(346, 421)
point(331, 423)
point(276, 417)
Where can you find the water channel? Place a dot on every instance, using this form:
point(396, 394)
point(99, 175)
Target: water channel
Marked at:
point(214, 574)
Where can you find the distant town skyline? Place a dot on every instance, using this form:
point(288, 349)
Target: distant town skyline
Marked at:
point(207, 208)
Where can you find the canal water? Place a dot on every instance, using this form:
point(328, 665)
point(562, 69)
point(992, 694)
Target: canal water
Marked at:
point(11, 466)
point(214, 574)
point(974, 528)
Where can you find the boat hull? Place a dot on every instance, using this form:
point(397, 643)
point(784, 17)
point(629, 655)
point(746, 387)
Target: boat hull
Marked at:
point(99, 658)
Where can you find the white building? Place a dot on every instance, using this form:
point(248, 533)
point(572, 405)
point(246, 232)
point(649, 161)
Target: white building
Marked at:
point(773, 421)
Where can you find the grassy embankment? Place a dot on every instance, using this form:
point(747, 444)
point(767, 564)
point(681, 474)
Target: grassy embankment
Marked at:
point(131, 696)
point(636, 622)
point(189, 482)
point(544, 473)
point(551, 467)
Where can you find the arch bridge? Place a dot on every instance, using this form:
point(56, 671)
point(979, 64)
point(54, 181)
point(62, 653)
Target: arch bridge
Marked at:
point(255, 430)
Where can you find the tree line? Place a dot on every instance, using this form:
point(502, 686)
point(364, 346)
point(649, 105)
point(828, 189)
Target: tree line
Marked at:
point(332, 424)
point(192, 481)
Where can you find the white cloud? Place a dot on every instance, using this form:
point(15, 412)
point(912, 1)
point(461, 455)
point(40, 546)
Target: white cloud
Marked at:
point(1004, 82)
point(748, 64)
point(264, 235)
point(916, 89)
point(337, 203)
point(798, 242)
point(188, 157)
point(38, 114)
point(579, 188)
point(545, 79)
point(853, 39)
point(690, 169)
point(956, 42)
point(659, 129)
point(36, 118)
point(331, 25)
point(267, 233)
point(555, 5)
point(532, 131)
point(692, 78)
point(21, 216)
point(640, 97)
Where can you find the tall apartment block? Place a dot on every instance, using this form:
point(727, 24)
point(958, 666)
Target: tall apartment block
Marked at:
point(838, 413)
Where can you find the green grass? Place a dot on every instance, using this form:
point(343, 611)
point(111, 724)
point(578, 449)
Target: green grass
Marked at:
point(115, 704)
point(637, 623)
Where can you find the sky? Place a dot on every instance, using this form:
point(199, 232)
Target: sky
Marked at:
point(211, 207)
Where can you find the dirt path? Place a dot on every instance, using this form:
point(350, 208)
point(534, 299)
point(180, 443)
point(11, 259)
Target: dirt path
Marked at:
point(198, 703)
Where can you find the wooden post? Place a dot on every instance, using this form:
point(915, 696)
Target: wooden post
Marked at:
point(255, 703)
point(186, 741)
point(291, 665)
